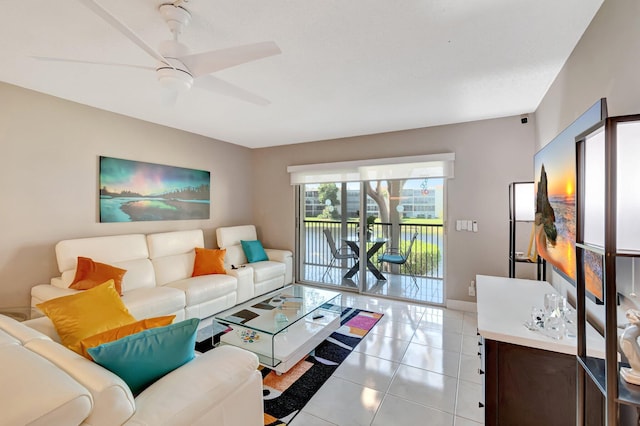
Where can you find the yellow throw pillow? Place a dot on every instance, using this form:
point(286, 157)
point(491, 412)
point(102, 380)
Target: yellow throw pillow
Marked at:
point(90, 274)
point(120, 332)
point(209, 261)
point(86, 313)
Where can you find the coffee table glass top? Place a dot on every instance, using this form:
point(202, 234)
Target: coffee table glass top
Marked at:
point(274, 312)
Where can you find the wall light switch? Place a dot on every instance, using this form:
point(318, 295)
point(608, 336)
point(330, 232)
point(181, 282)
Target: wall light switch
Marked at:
point(458, 225)
point(469, 225)
point(463, 225)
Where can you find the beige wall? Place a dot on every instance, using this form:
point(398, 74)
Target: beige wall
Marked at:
point(489, 155)
point(49, 176)
point(604, 64)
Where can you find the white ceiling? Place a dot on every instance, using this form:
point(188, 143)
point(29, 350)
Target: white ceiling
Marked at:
point(347, 68)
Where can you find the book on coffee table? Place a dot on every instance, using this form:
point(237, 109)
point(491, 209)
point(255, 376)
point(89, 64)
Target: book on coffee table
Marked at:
point(291, 305)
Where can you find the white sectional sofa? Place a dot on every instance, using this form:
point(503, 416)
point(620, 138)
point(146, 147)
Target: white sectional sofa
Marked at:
point(159, 267)
point(52, 385)
point(44, 383)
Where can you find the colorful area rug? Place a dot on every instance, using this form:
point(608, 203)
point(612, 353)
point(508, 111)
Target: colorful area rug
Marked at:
point(285, 395)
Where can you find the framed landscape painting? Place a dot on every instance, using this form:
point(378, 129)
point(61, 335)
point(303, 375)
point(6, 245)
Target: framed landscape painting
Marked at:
point(132, 191)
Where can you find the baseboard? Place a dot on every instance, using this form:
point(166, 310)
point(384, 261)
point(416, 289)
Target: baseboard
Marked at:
point(462, 305)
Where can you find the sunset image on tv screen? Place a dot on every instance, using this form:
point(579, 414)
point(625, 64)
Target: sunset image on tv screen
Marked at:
point(555, 189)
point(556, 207)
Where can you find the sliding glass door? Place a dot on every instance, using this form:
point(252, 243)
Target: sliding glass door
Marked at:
point(410, 220)
point(381, 237)
point(328, 217)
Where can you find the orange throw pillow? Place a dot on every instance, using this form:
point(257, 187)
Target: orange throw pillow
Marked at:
point(122, 331)
point(90, 274)
point(209, 261)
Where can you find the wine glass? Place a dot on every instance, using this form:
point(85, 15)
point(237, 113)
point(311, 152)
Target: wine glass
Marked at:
point(571, 321)
point(550, 304)
point(554, 327)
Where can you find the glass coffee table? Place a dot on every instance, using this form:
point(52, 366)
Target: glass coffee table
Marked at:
point(282, 327)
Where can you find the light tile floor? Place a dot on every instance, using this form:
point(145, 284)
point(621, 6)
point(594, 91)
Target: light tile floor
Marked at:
point(419, 365)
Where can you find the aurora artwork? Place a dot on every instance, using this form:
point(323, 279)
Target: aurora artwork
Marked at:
point(132, 191)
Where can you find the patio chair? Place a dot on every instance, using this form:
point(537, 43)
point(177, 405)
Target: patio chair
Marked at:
point(395, 257)
point(342, 254)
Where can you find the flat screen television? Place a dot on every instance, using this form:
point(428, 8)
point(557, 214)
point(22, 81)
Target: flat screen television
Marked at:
point(554, 187)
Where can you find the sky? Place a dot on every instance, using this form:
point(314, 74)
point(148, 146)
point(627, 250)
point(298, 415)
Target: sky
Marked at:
point(147, 178)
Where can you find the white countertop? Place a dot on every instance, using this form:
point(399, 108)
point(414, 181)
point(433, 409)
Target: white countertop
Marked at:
point(504, 305)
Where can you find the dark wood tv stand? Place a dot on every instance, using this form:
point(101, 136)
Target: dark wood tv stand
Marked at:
point(528, 378)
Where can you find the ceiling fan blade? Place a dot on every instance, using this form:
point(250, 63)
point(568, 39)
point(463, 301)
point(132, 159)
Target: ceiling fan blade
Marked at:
point(216, 60)
point(213, 84)
point(124, 29)
point(76, 61)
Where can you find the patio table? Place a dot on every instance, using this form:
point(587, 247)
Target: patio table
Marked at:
point(354, 245)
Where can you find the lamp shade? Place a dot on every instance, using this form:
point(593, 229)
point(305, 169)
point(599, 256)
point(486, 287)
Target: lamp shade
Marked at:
point(524, 201)
point(594, 188)
point(628, 181)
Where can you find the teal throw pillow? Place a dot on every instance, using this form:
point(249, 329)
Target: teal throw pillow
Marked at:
point(254, 251)
point(142, 358)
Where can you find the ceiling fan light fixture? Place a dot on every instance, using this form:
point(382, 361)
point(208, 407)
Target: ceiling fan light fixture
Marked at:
point(174, 79)
point(176, 17)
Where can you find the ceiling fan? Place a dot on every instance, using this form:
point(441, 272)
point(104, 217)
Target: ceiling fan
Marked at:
point(178, 70)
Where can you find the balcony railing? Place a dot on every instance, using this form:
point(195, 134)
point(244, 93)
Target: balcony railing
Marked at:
point(426, 257)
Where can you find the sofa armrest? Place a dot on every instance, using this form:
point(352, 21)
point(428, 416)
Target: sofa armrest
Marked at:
point(202, 387)
point(286, 257)
point(43, 292)
point(45, 326)
point(278, 255)
point(113, 402)
point(35, 392)
point(245, 289)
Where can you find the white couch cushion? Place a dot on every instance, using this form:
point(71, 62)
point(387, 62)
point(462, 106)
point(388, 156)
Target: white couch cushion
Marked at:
point(170, 243)
point(123, 251)
point(267, 269)
point(182, 396)
point(234, 256)
point(139, 274)
point(152, 302)
point(173, 268)
point(229, 238)
point(232, 235)
point(173, 255)
point(205, 287)
point(110, 249)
